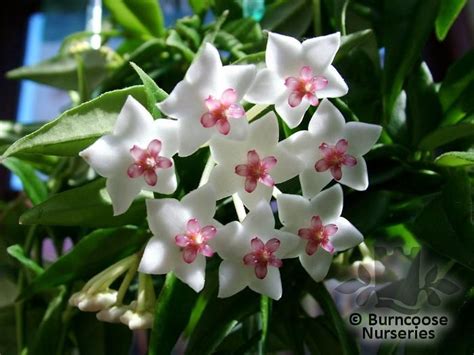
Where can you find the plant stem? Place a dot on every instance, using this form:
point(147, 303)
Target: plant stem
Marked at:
point(318, 31)
point(207, 171)
point(255, 111)
point(126, 282)
point(239, 207)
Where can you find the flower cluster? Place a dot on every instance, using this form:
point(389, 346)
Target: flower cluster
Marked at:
point(248, 159)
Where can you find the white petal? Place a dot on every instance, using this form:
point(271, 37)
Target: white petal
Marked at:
point(184, 102)
point(289, 244)
point(201, 203)
point(298, 144)
point(347, 236)
point(266, 88)
point(238, 77)
point(361, 136)
point(159, 257)
point(320, 51)
point(192, 274)
point(132, 120)
point(231, 242)
point(328, 204)
point(356, 176)
point(336, 87)
point(224, 151)
point(192, 135)
point(122, 191)
point(233, 277)
point(293, 210)
point(327, 123)
point(167, 218)
point(317, 265)
point(269, 286)
point(225, 181)
point(108, 156)
point(206, 68)
point(239, 129)
point(166, 183)
point(261, 193)
point(287, 167)
point(259, 220)
point(312, 182)
point(283, 55)
point(264, 133)
point(167, 133)
point(291, 115)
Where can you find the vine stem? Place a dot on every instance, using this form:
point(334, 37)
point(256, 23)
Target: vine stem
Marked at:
point(239, 207)
point(255, 111)
point(126, 281)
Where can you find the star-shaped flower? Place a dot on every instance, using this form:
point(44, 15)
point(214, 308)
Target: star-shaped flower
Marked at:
point(297, 75)
point(252, 167)
point(136, 156)
point(333, 149)
point(207, 102)
point(252, 253)
point(318, 225)
point(183, 232)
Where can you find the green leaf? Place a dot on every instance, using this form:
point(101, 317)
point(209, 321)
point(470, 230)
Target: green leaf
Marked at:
point(174, 40)
point(18, 253)
point(200, 6)
point(61, 71)
point(288, 17)
point(448, 134)
point(351, 41)
point(154, 93)
point(92, 254)
point(456, 159)
point(217, 320)
point(140, 17)
point(448, 12)
point(79, 127)
point(32, 184)
point(406, 29)
point(87, 206)
point(7, 335)
point(424, 107)
point(172, 312)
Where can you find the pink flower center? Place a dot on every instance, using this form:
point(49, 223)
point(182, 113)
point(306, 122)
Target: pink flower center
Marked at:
point(219, 111)
point(305, 86)
point(147, 162)
point(195, 240)
point(262, 255)
point(334, 156)
point(256, 170)
point(318, 235)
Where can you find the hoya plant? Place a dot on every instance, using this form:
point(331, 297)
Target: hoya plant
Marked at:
point(212, 179)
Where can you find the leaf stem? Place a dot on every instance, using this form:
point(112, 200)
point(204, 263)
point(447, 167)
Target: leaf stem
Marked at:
point(317, 25)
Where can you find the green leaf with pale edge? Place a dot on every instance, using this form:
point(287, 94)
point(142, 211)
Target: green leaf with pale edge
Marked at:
point(87, 206)
point(448, 134)
point(406, 29)
point(18, 253)
point(140, 17)
point(456, 159)
point(448, 12)
point(172, 312)
point(32, 184)
point(154, 93)
point(79, 127)
point(94, 253)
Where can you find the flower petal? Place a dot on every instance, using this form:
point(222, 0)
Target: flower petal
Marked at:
point(208, 120)
point(189, 254)
point(150, 177)
point(209, 232)
point(242, 170)
point(138, 153)
point(166, 131)
point(206, 68)
point(293, 211)
point(327, 123)
point(317, 265)
point(166, 183)
point(256, 244)
point(181, 240)
point(347, 236)
point(223, 126)
point(232, 242)
point(192, 135)
point(264, 133)
point(328, 204)
point(233, 277)
point(122, 191)
point(250, 184)
point(313, 182)
point(225, 181)
point(320, 51)
point(270, 285)
point(154, 147)
point(235, 111)
point(158, 257)
point(267, 180)
point(192, 274)
point(167, 218)
point(239, 78)
point(261, 193)
point(272, 245)
point(283, 55)
point(266, 88)
point(135, 170)
point(260, 219)
point(291, 115)
point(193, 226)
point(361, 136)
point(132, 119)
point(226, 151)
point(336, 86)
point(355, 176)
point(287, 166)
point(185, 102)
point(201, 203)
point(261, 271)
point(295, 98)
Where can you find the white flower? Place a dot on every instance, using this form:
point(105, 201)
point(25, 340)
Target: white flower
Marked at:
point(182, 235)
point(252, 167)
point(297, 75)
point(136, 156)
point(135, 319)
point(112, 314)
point(252, 253)
point(94, 302)
point(320, 228)
point(206, 102)
point(333, 149)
